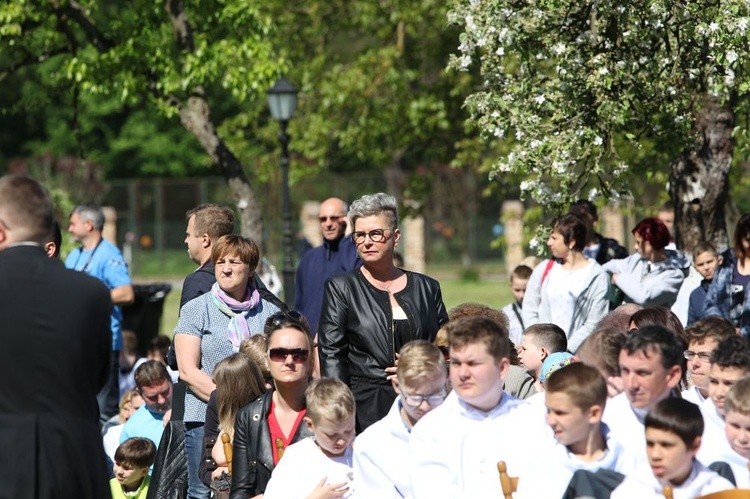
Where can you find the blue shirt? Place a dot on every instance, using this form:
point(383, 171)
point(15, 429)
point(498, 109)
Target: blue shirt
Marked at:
point(318, 264)
point(144, 423)
point(105, 262)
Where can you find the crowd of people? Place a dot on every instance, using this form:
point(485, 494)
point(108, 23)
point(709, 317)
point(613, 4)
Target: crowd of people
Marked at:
point(610, 375)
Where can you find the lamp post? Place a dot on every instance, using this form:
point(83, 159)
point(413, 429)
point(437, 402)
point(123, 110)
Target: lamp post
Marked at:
point(282, 101)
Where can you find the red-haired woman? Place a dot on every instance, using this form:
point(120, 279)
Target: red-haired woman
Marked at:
point(652, 276)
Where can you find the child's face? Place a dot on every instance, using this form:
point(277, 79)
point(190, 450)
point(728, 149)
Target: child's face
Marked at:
point(128, 475)
point(530, 355)
point(670, 459)
point(738, 432)
point(698, 366)
point(518, 288)
point(706, 263)
point(569, 422)
point(332, 438)
point(720, 380)
point(434, 387)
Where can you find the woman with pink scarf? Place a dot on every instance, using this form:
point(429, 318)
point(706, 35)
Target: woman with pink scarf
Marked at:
point(210, 328)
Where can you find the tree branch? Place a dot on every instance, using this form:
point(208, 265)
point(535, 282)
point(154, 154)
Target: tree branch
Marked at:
point(74, 11)
point(30, 60)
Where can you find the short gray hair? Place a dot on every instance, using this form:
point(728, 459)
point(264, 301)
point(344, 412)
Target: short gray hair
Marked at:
point(373, 205)
point(90, 213)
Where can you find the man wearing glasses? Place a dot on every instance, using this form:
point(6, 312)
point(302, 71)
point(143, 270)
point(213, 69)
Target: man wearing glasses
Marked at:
point(337, 255)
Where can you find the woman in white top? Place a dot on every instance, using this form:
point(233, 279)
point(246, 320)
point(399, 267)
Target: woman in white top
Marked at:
point(568, 290)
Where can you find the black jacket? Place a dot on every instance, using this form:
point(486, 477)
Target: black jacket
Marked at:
point(252, 454)
point(355, 335)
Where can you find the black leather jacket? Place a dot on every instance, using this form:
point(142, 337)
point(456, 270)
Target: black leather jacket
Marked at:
point(355, 334)
point(252, 454)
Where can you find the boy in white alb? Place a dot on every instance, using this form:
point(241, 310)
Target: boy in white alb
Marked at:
point(737, 417)
point(320, 465)
point(703, 337)
point(673, 437)
point(730, 362)
point(479, 351)
point(381, 456)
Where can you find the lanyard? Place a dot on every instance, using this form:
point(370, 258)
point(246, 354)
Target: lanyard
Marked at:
point(88, 262)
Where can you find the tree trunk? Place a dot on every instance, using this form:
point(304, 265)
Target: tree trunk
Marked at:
point(699, 180)
point(195, 117)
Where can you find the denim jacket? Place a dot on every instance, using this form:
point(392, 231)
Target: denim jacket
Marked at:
point(719, 295)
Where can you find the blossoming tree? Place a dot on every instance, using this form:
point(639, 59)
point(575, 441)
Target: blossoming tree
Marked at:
point(577, 88)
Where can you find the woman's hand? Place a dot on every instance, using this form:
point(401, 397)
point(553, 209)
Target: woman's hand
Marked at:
point(391, 371)
point(332, 491)
point(216, 474)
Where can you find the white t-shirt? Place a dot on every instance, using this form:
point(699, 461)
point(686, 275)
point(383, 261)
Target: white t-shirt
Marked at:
point(303, 466)
point(563, 289)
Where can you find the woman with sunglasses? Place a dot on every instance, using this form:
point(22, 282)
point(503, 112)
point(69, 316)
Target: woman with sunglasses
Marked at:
point(369, 313)
point(272, 422)
point(211, 328)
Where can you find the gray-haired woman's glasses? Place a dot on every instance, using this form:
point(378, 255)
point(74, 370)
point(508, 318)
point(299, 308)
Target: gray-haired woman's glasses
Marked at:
point(375, 235)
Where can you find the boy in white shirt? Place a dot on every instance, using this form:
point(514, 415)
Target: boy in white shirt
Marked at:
point(673, 437)
point(703, 337)
point(737, 417)
point(539, 341)
point(319, 466)
point(479, 351)
point(730, 362)
point(519, 278)
point(381, 456)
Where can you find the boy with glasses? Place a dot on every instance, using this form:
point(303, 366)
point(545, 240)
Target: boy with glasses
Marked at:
point(703, 336)
point(381, 466)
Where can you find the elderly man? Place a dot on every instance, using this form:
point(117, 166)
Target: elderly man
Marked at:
point(337, 255)
point(54, 357)
point(154, 383)
point(101, 259)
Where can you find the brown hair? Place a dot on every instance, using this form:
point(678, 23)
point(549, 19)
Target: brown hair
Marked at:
point(255, 347)
point(232, 244)
point(548, 336)
point(26, 208)
point(471, 309)
point(151, 373)
point(238, 381)
point(288, 320)
point(583, 384)
point(714, 326)
point(137, 452)
point(212, 219)
point(420, 361)
point(571, 228)
point(475, 329)
point(738, 398)
point(602, 350)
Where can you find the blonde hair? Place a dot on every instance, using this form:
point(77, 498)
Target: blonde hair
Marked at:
point(238, 381)
point(330, 399)
point(738, 398)
point(255, 347)
point(420, 361)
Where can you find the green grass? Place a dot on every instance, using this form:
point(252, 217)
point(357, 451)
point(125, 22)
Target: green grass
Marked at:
point(491, 291)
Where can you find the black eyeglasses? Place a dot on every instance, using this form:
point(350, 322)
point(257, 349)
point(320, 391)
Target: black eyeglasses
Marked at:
point(703, 356)
point(299, 355)
point(332, 219)
point(375, 235)
point(416, 400)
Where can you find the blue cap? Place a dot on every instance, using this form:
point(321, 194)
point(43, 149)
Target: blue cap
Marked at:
point(553, 362)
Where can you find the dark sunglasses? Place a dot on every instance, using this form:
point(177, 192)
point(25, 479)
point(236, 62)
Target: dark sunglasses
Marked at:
point(299, 355)
point(332, 219)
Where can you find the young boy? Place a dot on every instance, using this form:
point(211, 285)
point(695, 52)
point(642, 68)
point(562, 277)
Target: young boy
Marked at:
point(705, 261)
point(519, 278)
point(381, 465)
point(576, 395)
point(320, 465)
point(703, 336)
point(539, 341)
point(132, 460)
point(737, 417)
point(730, 362)
point(673, 437)
point(479, 351)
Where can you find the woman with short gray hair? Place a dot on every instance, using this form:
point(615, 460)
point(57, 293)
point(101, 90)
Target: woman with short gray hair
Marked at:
point(370, 312)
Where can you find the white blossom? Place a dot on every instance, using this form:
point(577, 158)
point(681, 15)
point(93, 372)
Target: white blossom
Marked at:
point(534, 243)
point(731, 56)
point(598, 141)
point(559, 49)
point(500, 51)
point(713, 27)
point(540, 99)
point(593, 193)
point(519, 134)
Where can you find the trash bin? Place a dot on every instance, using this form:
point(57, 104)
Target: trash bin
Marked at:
point(144, 315)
